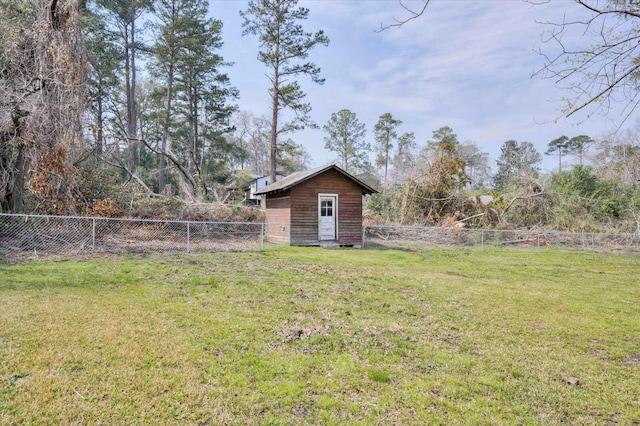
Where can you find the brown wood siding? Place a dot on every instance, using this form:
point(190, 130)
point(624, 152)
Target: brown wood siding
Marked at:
point(278, 213)
point(304, 209)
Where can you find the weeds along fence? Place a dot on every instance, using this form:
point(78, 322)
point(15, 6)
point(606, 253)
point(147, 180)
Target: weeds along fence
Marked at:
point(414, 237)
point(25, 237)
point(31, 235)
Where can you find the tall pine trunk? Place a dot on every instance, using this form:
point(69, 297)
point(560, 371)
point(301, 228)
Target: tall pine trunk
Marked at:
point(99, 130)
point(273, 144)
point(130, 71)
point(165, 131)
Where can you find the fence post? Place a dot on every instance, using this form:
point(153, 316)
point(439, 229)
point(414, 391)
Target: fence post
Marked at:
point(188, 236)
point(262, 236)
point(482, 239)
point(93, 233)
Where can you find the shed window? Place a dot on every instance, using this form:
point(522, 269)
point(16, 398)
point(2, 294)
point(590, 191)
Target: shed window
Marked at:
point(326, 208)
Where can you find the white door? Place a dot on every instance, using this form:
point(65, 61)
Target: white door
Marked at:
point(327, 213)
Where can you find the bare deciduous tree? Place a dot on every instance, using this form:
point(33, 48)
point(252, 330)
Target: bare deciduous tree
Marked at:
point(251, 136)
point(598, 55)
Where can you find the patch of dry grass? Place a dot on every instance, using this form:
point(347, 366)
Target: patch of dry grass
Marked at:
point(312, 336)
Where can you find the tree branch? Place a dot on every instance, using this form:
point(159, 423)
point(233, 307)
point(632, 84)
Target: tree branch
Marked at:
point(606, 70)
point(134, 176)
point(523, 197)
point(413, 14)
point(175, 161)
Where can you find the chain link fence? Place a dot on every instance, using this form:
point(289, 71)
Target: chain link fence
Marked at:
point(25, 237)
point(31, 235)
point(415, 237)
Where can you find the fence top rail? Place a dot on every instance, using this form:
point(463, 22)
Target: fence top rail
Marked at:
point(127, 219)
point(529, 231)
point(401, 227)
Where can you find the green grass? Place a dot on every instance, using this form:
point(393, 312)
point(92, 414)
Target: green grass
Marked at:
point(313, 336)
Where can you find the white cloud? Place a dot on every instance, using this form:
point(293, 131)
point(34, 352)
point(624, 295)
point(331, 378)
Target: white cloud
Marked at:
point(466, 64)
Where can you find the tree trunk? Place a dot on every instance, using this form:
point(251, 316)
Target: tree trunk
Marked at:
point(191, 168)
point(559, 161)
point(273, 145)
point(345, 156)
point(99, 132)
point(386, 164)
point(203, 145)
point(17, 169)
point(275, 109)
point(130, 70)
point(165, 131)
point(127, 89)
point(14, 179)
point(196, 135)
point(17, 191)
point(134, 100)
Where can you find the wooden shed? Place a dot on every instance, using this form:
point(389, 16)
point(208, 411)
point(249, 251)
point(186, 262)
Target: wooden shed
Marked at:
point(319, 207)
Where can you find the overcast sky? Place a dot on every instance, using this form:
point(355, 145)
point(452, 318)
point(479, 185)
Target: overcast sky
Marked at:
point(467, 64)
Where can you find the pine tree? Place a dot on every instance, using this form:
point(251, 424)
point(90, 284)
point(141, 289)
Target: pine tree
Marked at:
point(284, 43)
point(385, 134)
point(197, 94)
point(102, 84)
point(122, 18)
point(517, 162)
point(345, 137)
point(561, 147)
point(579, 145)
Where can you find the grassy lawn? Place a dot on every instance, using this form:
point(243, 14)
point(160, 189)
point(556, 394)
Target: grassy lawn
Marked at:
point(313, 336)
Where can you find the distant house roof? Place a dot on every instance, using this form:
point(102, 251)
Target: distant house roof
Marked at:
point(256, 177)
point(299, 177)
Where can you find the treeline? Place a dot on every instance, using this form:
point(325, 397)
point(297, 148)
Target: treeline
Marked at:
point(452, 183)
point(112, 104)
point(447, 182)
point(106, 102)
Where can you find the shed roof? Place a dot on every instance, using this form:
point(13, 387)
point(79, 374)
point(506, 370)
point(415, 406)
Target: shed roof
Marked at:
point(299, 177)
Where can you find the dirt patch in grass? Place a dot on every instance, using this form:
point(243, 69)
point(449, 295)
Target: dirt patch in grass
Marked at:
point(599, 354)
point(632, 359)
point(289, 334)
